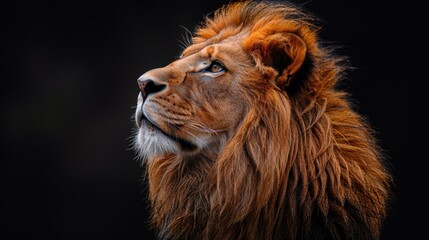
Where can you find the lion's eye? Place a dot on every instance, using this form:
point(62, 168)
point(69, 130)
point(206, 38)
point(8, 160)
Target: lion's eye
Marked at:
point(215, 67)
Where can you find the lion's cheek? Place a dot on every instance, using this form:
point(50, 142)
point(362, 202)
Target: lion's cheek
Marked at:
point(225, 114)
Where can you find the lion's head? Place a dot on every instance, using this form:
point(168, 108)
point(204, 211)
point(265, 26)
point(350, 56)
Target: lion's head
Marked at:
point(246, 137)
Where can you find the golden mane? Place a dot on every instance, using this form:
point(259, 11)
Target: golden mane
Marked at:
point(302, 164)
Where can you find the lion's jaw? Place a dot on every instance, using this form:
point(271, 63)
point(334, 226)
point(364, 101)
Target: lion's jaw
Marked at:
point(196, 106)
point(150, 140)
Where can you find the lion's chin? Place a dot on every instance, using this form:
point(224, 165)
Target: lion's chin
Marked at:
point(151, 141)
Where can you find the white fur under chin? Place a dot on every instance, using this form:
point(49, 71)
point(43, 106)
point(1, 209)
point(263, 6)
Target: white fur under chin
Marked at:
point(150, 143)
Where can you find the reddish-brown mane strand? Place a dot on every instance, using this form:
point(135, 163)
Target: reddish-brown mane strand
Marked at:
point(301, 165)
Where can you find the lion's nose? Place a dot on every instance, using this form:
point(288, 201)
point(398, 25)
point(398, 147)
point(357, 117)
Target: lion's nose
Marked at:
point(148, 86)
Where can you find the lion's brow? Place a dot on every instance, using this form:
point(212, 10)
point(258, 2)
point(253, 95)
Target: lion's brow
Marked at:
point(195, 48)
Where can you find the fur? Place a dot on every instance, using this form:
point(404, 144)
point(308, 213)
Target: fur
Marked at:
point(301, 163)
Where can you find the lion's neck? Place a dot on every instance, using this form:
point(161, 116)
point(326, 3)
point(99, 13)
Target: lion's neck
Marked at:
point(179, 193)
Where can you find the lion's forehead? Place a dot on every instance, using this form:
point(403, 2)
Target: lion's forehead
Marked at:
point(197, 56)
point(223, 40)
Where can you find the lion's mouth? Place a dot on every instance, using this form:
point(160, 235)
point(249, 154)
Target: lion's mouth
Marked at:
point(184, 144)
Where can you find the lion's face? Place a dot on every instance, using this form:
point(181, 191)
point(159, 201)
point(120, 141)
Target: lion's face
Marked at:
point(193, 103)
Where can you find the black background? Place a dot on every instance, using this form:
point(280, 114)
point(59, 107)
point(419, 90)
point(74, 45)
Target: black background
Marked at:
point(69, 88)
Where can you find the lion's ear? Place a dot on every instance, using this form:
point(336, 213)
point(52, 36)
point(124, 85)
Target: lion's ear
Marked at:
point(283, 52)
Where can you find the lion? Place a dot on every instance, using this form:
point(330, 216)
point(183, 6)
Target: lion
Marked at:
point(248, 136)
